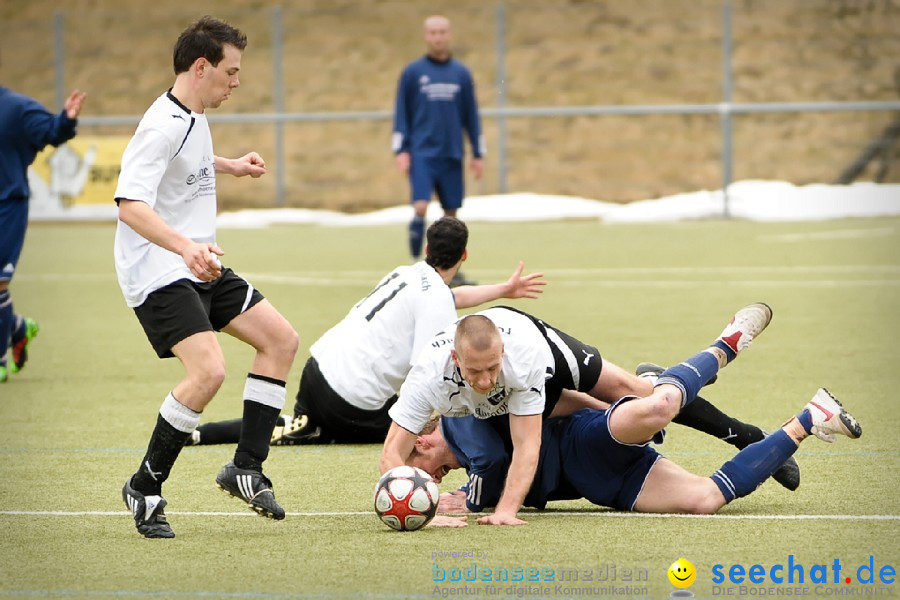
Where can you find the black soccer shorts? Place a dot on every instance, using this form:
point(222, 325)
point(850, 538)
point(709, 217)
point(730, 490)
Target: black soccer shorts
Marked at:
point(184, 307)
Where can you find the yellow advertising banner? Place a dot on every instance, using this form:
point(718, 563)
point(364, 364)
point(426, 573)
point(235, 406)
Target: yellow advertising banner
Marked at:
point(84, 170)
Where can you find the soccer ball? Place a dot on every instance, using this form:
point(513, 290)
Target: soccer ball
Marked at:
point(406, 498)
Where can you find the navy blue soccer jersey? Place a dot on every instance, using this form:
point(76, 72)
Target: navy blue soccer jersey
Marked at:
point(26, 128)
point(435, 102)
point(483, 448)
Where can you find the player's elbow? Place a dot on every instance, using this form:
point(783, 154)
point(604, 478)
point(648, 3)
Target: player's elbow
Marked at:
point(389, 460)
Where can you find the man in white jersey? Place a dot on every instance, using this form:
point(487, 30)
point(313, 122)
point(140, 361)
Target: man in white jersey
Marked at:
point(167, 262)
point(356, 368)
point(504, 362)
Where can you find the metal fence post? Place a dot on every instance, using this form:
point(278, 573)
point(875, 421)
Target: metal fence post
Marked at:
point(59, 60)
point(278, 97)
point(727, 84)
point(501, 97)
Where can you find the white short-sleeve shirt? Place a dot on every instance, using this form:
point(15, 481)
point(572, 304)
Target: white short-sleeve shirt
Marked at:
point(169, 164)
point(366, 356)
point(435, 384)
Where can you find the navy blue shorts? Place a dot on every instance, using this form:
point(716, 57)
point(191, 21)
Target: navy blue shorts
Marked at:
point(13, 223)
point(441, 175)
point(179, 310)
point(601, 469)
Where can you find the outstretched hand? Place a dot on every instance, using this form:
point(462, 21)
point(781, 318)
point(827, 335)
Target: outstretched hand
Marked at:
point(442, 521)
point(74, 103)
point(527, 286)
point(500, 519)
point(452, 502)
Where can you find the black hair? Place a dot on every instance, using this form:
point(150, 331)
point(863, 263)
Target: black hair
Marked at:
point(206, 38)
point(446, 238)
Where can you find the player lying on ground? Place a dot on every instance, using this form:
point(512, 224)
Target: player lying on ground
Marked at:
point(604, 456)
point(505, 362)
point(355, 369)
point(588, 455)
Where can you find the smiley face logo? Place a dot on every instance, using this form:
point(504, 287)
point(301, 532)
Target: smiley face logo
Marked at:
point(682, 573)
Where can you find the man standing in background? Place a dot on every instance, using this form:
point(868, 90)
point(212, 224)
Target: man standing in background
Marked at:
point(26, 128)
point(435, 102)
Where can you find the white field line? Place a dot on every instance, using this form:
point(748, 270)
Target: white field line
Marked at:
point(594, 275)
point(527, 514)
point(837, 234)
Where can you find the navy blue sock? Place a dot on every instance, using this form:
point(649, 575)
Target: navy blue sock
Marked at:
point(726, 348)
point(690, 375)
point(416, 236)
point(805, 419)
point(18, 328)
point(7, 319)
point(753, 465)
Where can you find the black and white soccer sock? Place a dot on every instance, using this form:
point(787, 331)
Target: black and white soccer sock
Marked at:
point(703, 416)
point(220, 432)
point(263, 400)
point(173, 426)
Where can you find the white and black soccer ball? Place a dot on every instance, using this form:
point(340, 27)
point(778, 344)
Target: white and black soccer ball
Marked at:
point(406, 498)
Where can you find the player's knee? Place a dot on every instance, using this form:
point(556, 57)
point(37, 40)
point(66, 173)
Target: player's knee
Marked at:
point(703, 500)
point(288, 343)
point(210, 379)
point(660, 409)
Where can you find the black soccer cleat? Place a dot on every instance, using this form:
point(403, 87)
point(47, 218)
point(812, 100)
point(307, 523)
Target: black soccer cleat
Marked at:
point(788, 474)
point(459, 279)
point(149, 517)
point(299, 430)
point(652, 371)
point(252, 487)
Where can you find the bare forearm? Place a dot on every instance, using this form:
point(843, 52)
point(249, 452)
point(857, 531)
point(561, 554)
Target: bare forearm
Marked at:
point(467, 296)
point(224, 165)
point(398, 445)
point(517, 286)
point(149, 225)
point(518, 480)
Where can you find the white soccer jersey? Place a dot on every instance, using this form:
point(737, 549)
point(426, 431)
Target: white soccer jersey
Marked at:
point(435, 384)
point(368, 354)
point(169, 164)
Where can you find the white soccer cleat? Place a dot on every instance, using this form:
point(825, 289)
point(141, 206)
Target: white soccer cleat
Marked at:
point(745, 325)
point(829, 417)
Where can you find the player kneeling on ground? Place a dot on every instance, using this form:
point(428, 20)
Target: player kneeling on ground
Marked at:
point(505, 363)
point(604, 455)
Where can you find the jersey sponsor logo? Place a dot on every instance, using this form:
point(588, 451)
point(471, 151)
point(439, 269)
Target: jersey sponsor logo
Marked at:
point(482, 412)
point(202, 174)
point(179, 117)
point(438, 91)
point(497, 395)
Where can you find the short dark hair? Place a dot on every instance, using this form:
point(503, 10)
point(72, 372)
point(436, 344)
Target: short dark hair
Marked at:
point(447, 238)
point(206, 38)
